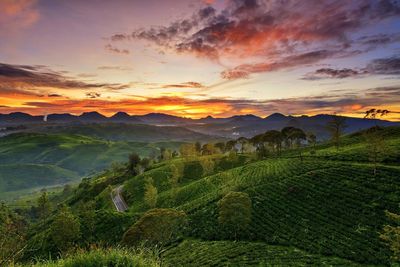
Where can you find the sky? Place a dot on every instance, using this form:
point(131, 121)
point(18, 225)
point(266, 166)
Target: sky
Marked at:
point(195, 58)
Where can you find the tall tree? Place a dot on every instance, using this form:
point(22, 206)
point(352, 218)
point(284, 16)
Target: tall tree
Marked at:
point(65, 230)
point(133, 162)
point(274, 138)
point(336, 128)
point(376, 146)
point(150, 193)
point(287, 135)
point(43, 206)
point(298, 136)
point(220, 146)
point(312, 141)
point(230, 145)
point(242, 141)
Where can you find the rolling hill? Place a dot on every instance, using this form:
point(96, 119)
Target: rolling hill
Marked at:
point(28, 160)
point(327, 209)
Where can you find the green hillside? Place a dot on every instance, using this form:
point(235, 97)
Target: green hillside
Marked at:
point(29, 160)
point(326, 208)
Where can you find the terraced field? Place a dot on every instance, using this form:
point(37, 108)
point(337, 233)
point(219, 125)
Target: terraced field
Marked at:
point(225, 253)
point(323, 207)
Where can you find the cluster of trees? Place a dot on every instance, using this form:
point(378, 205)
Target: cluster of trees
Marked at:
point(137, 165)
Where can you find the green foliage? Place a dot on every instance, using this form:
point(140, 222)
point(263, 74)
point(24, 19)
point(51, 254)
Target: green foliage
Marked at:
point(43, 206)
point(150, 194)
point(235, 213)
point(65, 230)
point(12, 236)
point(157, 226)
point(116, 257)
point(133, 163)
point(391, 235)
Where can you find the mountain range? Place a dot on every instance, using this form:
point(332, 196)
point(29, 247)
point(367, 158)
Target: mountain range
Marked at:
point(230, 127)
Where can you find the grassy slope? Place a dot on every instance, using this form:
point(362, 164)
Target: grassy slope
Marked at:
point(325, 207)
point(30, 159)
point(104, 257)
point(227, 253)
point(318, 212)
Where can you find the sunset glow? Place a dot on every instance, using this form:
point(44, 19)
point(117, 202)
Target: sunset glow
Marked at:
point(198, 58)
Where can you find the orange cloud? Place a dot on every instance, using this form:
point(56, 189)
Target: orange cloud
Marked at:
point(17, 14)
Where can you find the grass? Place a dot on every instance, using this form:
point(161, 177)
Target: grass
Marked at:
point(116, 257)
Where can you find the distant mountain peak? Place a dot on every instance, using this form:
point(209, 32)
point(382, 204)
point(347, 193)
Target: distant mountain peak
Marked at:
point(121, 114)
point(92, 115)
point(276, 116)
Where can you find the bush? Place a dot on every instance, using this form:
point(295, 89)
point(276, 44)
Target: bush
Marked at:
point(234, 213)
point(157, 226)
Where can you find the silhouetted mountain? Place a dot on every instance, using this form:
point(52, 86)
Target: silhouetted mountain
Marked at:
point(245, 118)
point(276, 117)
point(124, 117)
point(231, 127)
point(92, 116)
point(18, 117)
point(164, 119)
point(65, 117)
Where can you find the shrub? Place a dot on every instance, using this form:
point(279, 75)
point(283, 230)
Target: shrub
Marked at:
point(234, 213)
point(157, 226)
point(105, 257)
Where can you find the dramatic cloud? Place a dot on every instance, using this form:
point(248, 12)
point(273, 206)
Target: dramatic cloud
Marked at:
point(275, 31)
point(26, 77)
point(381, 66)
point(243, 71)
